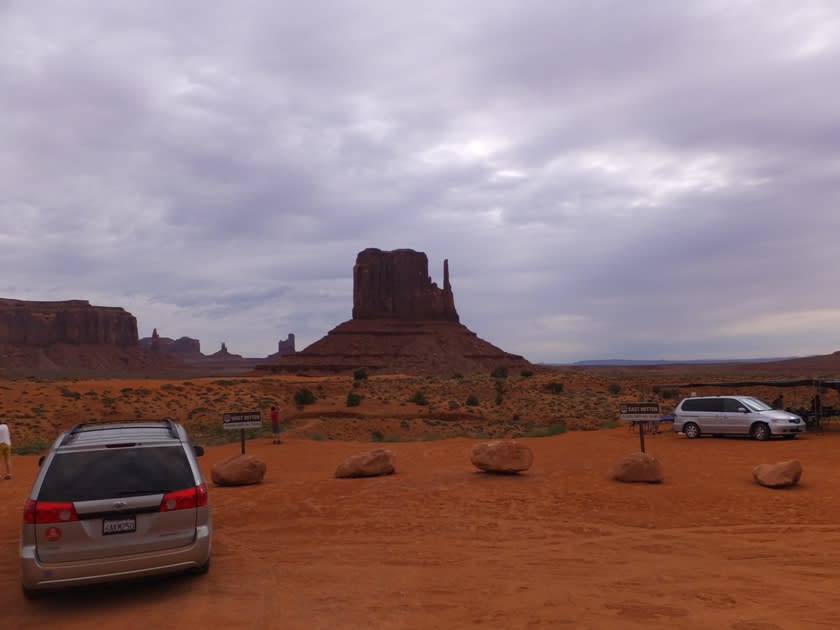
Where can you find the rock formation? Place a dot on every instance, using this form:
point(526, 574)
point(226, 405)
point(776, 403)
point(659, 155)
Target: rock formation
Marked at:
point(396, 285)
point(286, 346)
point(42, 324)
point(402, 323)
point(180, 346)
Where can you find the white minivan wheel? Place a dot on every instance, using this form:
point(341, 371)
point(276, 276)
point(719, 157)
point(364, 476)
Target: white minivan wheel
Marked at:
point(760, 431)
point(691, 430)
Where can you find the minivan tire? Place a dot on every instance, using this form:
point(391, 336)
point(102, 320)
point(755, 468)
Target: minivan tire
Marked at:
point(761, 431)
point(691, 430)
point(200, 569)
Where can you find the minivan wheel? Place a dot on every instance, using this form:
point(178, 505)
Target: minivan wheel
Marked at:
point(761, 431)
point(31, 593)
point(691, 430)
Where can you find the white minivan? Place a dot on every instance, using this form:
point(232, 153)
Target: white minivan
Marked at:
point(734, 415)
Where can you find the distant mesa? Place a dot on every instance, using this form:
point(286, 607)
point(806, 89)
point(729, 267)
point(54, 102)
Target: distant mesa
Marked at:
point(71, 336)
point(189, 349)
point(402, 323)
point(43, 324)
point(224, 354)
point(181, 346)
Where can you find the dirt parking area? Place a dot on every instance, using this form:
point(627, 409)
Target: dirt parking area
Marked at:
point(440, 545)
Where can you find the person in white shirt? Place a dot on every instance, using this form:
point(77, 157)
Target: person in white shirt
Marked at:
point(6, 449)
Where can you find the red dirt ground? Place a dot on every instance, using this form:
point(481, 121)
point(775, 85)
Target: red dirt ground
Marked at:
point(440, 545)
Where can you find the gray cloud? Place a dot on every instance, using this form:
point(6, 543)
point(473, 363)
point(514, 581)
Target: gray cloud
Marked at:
point(607, 179)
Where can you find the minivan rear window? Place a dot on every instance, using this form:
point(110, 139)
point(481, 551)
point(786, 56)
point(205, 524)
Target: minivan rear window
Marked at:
point(120, 472)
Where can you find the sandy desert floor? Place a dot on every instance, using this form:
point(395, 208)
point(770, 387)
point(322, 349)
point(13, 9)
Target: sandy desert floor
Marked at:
point(440, 545)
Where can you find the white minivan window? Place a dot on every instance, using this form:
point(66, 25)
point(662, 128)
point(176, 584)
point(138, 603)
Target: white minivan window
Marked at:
point(755, 404)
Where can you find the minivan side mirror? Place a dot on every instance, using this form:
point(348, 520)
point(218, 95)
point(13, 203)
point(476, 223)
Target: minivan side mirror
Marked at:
point(199, 450)
point(743, 410)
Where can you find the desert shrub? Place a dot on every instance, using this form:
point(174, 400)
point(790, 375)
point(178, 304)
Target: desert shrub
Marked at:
point(169, 387)
point(354, 399)
point(453, 405)
point(472, 401)
point(376, 436)
point(554, 387)
point(555, 428)
point(526, 373)
point(419, 398)
point(499, 372)
point(670, 393)
point(608, 424)
point(69, 393)
point(457, 376)
point(360, 374)
point(614, 388)
point(318, 437)
point(32, 448)
point(304, 396)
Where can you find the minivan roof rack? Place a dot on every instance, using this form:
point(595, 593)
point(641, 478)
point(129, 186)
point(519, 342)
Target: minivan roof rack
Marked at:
point(73, 432)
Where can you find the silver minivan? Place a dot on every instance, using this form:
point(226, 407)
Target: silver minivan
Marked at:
point(734, 415)
point(115, 501)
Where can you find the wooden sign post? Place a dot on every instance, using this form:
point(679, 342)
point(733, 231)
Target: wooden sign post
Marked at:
point(640, 414)
point(242, 421)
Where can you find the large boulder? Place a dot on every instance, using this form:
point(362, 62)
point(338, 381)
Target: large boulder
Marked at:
point(370, 464)
point(778, 475)
point(639, 467)
point(238, 470)
point(503, 457)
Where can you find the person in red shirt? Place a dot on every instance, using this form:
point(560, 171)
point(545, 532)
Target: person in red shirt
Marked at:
point(275, 426)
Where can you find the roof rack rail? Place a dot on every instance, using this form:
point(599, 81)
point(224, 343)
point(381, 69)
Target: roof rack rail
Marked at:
point(71, 433)
point(173, 428)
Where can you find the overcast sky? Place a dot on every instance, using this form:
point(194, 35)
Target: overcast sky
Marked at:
point(645, 180)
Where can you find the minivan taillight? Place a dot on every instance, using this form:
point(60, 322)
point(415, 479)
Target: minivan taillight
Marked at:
point(184, 499)
point(201, 495)
point(41, 512)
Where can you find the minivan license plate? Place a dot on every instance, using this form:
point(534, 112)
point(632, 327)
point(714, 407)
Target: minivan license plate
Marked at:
point(119, 525)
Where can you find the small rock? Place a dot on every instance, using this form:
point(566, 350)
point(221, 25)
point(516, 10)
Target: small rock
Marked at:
point(779, 475)
point(639, 467)
point(238, 470)
point(370, 464)
point(504, 457)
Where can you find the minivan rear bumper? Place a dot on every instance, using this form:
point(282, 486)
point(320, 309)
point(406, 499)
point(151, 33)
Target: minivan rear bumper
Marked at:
point(37, 575)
